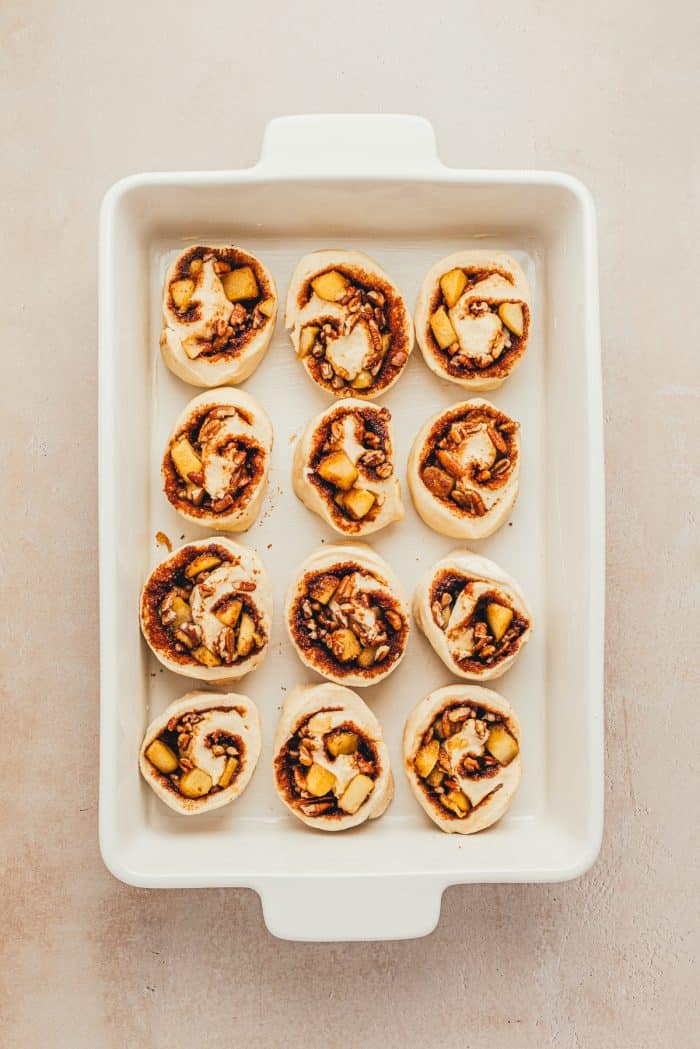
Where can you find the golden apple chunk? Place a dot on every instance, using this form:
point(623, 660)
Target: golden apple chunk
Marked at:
point(227, 775)
point(511, 313)
point(182, 291)
point(240, 284)
point(453, 284)
point(319, 781)
point(342, 741)
point(501, 745)
point(267, 307)
point(195, 783)
point(456, 802)
point(160, 755)
point(443, 331)
point(362, 381)
point(338, 469)
point(358, 502)
point(307, 339)
point(182, 610)
point(367, 657)
point(344, 645)
point(204, 656)
point(322, 588)
point(246, 635)
point(330, 286)
point(426, 758)
point(436, 777)
point(202, 563)
point(357, 791)
point(185, 459)
point(498, 618)
point(229, 615)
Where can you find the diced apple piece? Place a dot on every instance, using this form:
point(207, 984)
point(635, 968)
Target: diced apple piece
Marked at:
point(456, 802)
point(161, 756)
point(267, 307)
point(330, 286)
point(246, 635)
point(342, 741)
point(182, 291)
point(367, 657)
point(319, 781)
point(240, 284)
point(443, 331)
point(362, 381)
point(344, 645)
point(453, 284)
point(386, 341)
point(511, 313)
point(357, 791)
point(182, 610)
point(229, 615)
point(498, 618)
point(184, 457)
point(322, 588)
point(184, 639)
point(320, 722)
point(436, 777)
point(426, 758)
point(339, 499)
point(307, 340)
point(358, 502)
point(195, 783)
point(229, 771)
point(202, 563)
point(338, 469)
point(205, 657)
point(501, 745)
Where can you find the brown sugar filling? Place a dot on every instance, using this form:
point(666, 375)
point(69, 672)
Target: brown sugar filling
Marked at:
point(369, 300)
point(167, 612)
point(455, 361)
point(340, 480)
point(344, 630)
point(459, 486)
point(168, 755)
point(185, 487)
point(312, 789)
point(432, 761)
point(249, 314)
point(497, 624)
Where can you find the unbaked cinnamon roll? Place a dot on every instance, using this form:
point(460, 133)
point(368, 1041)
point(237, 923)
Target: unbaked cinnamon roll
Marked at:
point(344, 468)
point(217, 460)
point(462, 757)
point(201, 752)
point(206, 610)
point(219, 309)
point(348, 323)
point(473, 318)
point(473, 614)
point(463, 469)
point(331, 765)
point(346, 615)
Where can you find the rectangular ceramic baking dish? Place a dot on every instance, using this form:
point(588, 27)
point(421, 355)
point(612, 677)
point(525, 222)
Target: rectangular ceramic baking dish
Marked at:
point(372, 182)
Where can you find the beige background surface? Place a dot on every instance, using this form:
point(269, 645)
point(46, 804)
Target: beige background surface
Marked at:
point(606, 90)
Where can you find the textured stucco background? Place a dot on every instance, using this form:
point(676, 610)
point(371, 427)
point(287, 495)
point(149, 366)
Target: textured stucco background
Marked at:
point(607, 90)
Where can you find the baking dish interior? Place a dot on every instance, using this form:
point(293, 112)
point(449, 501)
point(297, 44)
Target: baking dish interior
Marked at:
point(552, 544)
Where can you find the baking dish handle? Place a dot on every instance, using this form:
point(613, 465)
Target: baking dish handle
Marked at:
point(349, 144)
point(359, 908)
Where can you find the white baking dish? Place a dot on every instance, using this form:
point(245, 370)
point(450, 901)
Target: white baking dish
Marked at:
point(373, 182)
